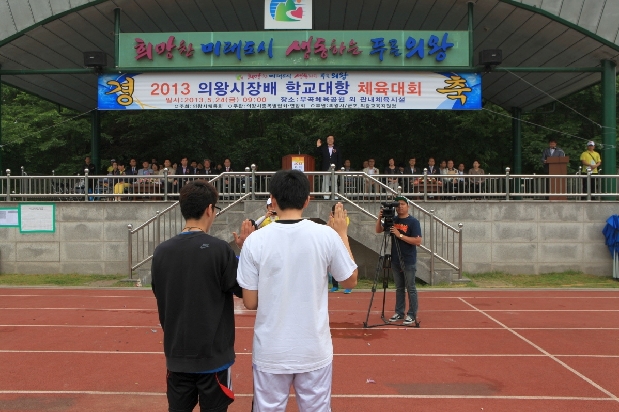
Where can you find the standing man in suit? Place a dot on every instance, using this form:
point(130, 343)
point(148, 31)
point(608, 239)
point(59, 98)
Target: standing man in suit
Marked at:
point(230, 185)
point(411, 169)
point(432, 169)
point(132, 170)
point(183, 170)
point(551, 151)
point(330, 155)
point(207, 168)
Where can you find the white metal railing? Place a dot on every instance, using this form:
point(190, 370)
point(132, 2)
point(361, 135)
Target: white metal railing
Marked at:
point(356, 186)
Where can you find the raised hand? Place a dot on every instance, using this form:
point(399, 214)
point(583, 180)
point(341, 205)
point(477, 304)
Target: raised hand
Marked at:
point(246, 229)
point(338, 220)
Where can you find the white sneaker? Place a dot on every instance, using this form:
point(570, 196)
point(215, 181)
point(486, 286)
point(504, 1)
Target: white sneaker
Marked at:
point(395, 318)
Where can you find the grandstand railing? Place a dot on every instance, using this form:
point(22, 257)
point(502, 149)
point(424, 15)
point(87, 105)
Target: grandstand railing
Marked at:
point(356, 186)
point(364, 192)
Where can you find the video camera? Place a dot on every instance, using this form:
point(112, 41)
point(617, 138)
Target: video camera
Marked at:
point(388, 209)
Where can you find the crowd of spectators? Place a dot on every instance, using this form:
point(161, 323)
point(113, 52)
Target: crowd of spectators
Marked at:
point(152, 168)
point(408, 177)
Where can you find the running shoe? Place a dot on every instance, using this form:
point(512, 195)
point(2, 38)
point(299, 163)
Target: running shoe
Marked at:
point(395, 318)
point(334, 289)
point(347, 291)
point(408, 321)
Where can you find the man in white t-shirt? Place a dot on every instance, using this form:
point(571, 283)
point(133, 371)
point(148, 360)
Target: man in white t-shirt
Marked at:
point(283, 272)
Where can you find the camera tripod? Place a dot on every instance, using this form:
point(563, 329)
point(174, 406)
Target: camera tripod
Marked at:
point(384, 263)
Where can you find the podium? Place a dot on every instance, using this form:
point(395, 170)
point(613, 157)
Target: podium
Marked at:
point(557, 166)
point(302, 162)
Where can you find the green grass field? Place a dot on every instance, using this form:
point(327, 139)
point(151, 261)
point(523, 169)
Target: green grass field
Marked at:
point(63, 280)
point(504, 280)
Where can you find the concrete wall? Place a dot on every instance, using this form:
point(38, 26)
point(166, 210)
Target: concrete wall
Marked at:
point(532, 237)
point(90, 238)
point(515, 237)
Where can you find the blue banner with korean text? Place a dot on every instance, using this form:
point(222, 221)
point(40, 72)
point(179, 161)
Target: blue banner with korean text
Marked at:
point(298, 90)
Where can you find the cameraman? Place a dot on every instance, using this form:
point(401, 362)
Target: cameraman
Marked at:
point(406, 232)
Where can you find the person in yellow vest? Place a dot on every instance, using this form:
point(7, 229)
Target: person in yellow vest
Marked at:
point(590, 158)
point(269, 217)
point(335, 285)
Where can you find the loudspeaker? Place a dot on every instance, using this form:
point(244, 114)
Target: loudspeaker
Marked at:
point(490, 57)
point(95, 59)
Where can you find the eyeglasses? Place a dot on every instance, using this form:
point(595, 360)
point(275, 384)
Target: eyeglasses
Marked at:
point(217, 207)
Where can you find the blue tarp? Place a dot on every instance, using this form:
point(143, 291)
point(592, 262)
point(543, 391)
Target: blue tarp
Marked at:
point(611, 232)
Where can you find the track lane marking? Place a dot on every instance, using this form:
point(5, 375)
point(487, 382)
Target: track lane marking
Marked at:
point(497, 328)
point(412, 355)
point(365, 396)
point(150, 296)
point(548, 354)
point(247, 311)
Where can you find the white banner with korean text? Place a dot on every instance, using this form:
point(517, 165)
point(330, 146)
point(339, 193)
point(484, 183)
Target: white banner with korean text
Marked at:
point(298, 90)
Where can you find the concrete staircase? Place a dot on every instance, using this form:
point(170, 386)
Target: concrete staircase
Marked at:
point(365, 242)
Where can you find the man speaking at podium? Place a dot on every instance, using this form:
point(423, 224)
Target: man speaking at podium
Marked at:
point(330, 155)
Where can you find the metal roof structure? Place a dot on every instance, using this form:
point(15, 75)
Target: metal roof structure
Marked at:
point(53, 34)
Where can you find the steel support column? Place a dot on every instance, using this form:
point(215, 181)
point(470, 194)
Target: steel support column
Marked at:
point(609, 124)
point(1, 126)
point(471, 5)
point(116, 35)
point(95, 138)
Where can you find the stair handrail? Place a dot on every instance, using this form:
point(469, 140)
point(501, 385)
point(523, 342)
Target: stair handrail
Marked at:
point(430, 246)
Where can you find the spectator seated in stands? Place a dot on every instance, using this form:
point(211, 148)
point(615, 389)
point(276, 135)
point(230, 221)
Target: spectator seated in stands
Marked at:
point(121, 185)
point(476, 182)
point(111, 166)
point(369, 185)
point(463, 184)
point(391, 169)
point(145, 170)
point(451, 183)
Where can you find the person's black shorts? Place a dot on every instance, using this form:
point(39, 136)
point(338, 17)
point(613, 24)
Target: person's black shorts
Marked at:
point(186, 389)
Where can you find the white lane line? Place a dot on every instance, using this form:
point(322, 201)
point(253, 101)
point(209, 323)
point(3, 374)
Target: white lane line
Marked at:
point(365, 396)
point(497, 328)
point(82, 296)
point(87, 352)
point(553, 357)
point(354, 311)
point(88, 326)
point(524, 297)
point(403, 355)
point(89, 309)
point(151, 296)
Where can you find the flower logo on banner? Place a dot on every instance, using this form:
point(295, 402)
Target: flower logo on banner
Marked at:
point(286, 10)
point(288, 14)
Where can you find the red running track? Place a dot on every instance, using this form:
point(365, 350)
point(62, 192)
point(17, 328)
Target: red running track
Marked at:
point(493, 350)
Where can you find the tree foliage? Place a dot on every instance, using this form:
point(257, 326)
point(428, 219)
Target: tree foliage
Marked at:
point(42, 137)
